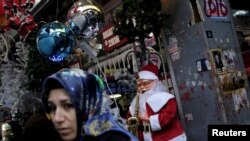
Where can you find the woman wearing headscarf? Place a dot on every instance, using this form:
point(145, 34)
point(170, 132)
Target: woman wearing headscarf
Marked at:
point(73, 100)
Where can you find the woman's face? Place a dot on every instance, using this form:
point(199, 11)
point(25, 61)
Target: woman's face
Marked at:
point(145, 85)
point(63, 114)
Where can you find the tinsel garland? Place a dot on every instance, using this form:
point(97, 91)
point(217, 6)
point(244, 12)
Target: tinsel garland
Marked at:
point(14, 92)
point(13, 76)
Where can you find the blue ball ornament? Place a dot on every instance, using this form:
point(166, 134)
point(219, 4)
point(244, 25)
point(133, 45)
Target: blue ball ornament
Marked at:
point(55, 41)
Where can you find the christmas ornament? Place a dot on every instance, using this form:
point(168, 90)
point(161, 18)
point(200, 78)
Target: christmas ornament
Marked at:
point(86, 18)
point(16, 15)
point(55, 41)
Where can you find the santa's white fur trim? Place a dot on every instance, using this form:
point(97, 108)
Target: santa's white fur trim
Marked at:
point(154, 122)
point(147, 75)
point(132, 106)
point(158, 100)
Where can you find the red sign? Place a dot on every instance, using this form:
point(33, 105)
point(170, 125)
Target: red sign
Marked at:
point(215, 8)
point(111, 41)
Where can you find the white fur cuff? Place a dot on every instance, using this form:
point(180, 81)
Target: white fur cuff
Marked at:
point(154, 122)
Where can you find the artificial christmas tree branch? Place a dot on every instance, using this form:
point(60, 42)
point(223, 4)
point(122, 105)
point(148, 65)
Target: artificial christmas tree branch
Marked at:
point(139, 18)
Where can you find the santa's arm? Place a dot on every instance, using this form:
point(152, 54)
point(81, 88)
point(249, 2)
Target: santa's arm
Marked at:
point(164, 116)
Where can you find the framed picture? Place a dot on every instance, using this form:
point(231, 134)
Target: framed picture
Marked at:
point(229, 58)
point(203, 65)
point(240, 99)
point(231, 81)
point(226, 82)
point(217, 61)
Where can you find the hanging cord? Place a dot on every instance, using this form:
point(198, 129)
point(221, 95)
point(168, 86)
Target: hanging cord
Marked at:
point(56, 9)
point(106, 82)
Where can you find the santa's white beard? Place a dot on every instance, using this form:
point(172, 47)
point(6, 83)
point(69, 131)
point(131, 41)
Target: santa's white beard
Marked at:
point(142, 101)
point(157, 87)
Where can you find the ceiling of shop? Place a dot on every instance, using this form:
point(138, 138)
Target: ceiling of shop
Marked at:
point(49, 10)
point(240, 4)
point(55, 9)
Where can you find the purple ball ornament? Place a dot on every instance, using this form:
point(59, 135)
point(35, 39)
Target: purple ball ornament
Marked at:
point(55, 41)
point(86, 18)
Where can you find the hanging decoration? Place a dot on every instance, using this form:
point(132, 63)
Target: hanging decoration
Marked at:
point(55, 41)
point(86, 18)
point(15, 15)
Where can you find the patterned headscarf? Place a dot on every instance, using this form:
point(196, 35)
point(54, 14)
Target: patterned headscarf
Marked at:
point(84, 89)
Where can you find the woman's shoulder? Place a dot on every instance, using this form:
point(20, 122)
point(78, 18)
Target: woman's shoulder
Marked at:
point(115, 136)
point(108, 136)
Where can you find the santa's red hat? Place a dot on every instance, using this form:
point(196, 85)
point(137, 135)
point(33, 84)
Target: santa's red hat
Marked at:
point(149, 72)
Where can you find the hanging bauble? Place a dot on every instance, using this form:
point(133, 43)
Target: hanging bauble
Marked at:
point(86, 18)
point(55, 41)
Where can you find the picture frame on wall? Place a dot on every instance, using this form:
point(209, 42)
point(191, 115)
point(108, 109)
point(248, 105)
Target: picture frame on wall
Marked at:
point(231, 81)
point(226, 82)
point(240, 99)
point(229, 59)
point(217, 61)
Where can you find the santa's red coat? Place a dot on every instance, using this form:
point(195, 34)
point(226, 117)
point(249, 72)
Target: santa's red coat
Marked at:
point(161, 109)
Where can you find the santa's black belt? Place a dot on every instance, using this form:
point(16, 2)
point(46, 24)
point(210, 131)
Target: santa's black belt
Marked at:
point(144, 128)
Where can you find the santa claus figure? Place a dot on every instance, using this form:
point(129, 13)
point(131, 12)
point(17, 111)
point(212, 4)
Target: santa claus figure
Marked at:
point(157, 109)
